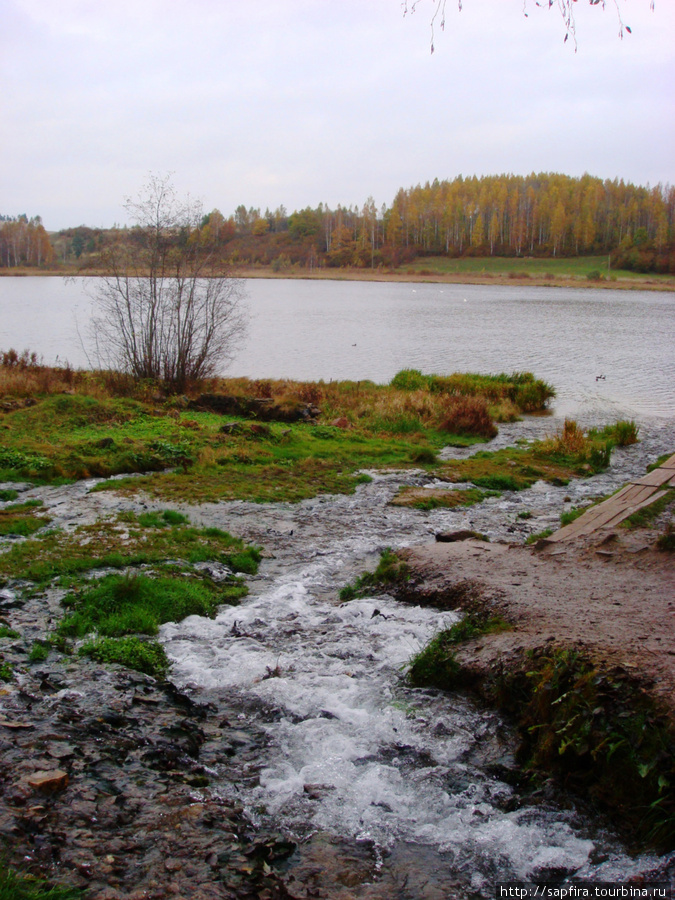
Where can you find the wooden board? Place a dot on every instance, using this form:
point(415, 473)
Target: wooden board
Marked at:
point(657, 476)
point(634, 496)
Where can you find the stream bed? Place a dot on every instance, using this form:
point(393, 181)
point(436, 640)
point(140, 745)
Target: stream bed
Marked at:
point(388, 791)
point(420, 781)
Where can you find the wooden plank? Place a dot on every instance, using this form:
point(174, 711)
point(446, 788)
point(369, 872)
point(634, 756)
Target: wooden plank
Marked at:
point(588, 521)
point(636, 493)
point(624, 503)
point(597, 510)
point(629, 512)
point(656, 477)
point(606, 515)
point(586, 524)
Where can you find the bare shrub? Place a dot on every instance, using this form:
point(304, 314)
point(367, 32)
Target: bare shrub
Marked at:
point(167, 308)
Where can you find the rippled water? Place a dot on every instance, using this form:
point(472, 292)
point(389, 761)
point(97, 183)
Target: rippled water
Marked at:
point(366, 330)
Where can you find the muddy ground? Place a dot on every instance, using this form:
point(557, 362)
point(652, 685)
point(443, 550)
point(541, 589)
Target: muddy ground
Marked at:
point(611, 596)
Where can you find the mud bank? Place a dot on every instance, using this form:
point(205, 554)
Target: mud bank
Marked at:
point(586, 664)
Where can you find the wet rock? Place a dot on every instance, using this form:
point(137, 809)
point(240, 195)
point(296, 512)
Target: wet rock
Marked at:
point(317, 791)
point(15, 725)
point(50, 782)
point(230, 428)
point(261, 408)
point(259, 430)
point(216, 571)
point(464, 534)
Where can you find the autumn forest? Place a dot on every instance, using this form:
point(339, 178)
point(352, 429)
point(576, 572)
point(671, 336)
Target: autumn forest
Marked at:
point(544, 215)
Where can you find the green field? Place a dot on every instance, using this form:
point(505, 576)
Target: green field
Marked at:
point(532, 267)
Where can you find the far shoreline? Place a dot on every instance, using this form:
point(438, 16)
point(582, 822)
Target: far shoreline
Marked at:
point(630, 283)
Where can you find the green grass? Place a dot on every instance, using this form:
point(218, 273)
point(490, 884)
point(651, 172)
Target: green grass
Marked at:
point(116, 543)
point(64, 438)
point(572, 267)
point(435, 665)
point(659, 462)
point(24, 887)
point(6, 671)
point(555, 459)
point(19, 519)
point(621, 433)
point(666, 541)
point(390, 570)
point(429, 498)
point(527, 393)
point(38, 652)
point(118, 605)
point(8, 495)
point(141, 655)
point(118, 608)
point(161, 519)
point(601, 733)
point(6, 632)
point(645, 517)
point(539, 536)
point(570, 515)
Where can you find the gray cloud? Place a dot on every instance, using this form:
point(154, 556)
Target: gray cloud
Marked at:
point(296, 102)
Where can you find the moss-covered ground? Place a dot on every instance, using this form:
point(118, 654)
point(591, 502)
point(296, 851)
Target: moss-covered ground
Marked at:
point(123, 578)
point(96, 425)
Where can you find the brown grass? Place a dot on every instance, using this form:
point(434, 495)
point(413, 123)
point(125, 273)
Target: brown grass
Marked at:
point(469, 415)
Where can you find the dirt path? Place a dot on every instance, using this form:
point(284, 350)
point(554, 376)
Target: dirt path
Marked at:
point(612, 597)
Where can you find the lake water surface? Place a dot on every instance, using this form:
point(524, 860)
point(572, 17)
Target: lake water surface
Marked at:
point(369, 330)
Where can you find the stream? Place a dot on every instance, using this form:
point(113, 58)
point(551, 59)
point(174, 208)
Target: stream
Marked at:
point(389, 791)
point(418, 778)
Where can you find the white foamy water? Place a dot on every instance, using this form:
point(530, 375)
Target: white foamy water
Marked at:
point(352, 750)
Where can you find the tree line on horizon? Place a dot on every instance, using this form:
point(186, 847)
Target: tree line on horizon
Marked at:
point(540, 215)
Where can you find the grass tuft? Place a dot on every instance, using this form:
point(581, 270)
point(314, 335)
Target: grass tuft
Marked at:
point(601, 733)
point(136, 604)
point(435, 665)
point(142, 656)
point(24, 887)
point(390, 570)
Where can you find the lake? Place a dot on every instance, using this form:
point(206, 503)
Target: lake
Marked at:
point(368, 330)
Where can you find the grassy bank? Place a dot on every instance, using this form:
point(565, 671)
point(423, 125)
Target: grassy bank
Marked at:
point(592, 726)
point(271, 440)
point(589, 270)
point(285, 440)
point(570, 272)
point(125, 576)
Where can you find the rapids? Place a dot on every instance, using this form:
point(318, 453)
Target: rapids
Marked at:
point(350, 750)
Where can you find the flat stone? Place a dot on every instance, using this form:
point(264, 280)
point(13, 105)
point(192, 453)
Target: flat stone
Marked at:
point(49, 782)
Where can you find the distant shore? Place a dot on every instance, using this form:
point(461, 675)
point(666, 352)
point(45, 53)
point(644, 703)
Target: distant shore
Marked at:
point(409, 275)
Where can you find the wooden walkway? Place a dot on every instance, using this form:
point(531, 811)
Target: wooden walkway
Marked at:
point(618, 507)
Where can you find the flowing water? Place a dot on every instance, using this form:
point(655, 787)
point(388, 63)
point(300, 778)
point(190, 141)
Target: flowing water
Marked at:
point(350, 749)
point(396, 792)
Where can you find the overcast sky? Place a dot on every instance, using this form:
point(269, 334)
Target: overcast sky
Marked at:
point(297, 102)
